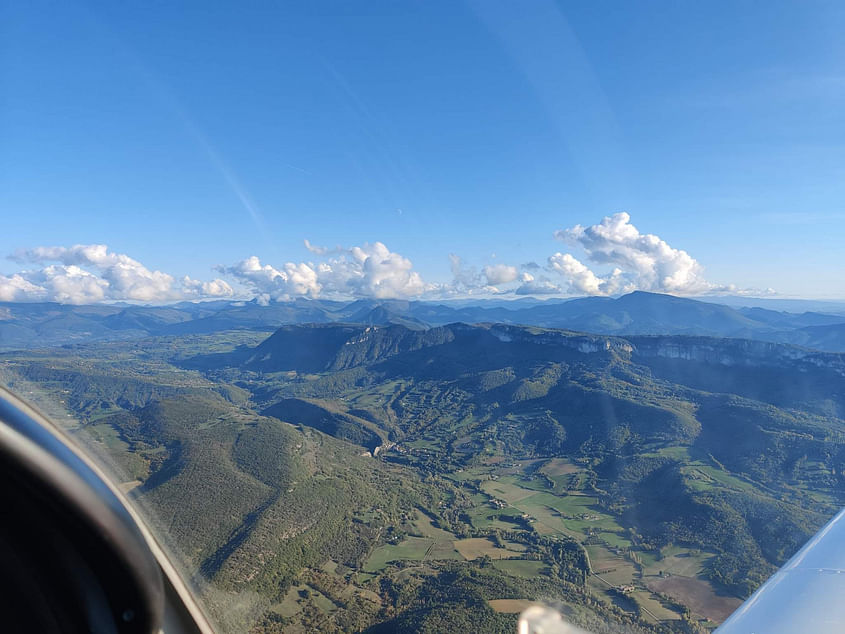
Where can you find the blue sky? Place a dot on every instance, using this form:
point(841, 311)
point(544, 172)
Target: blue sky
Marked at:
point(195, 137)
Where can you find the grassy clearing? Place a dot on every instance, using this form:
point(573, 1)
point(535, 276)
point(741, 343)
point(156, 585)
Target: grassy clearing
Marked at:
point(423, 443)
point(677, 561)
point(725, 479)
point(521, 567)
point(548, 521)
point(653, 604)
point(604, 592)
point(363, 577)
point(571, 514)
point(323, 602)
point(701, 472)
point(467, 475)
point(567, 504)
point(613, 569)
point(413, 548)
point(475, 547)
point(648, 558)
point(107, 435)
point(429, 543)
point(594, 521)
point(291, 604)
point(426, 529)
point(615, 539)
point(479, 499)
point(300, 596)
point(675, 453)
point(510, 606)
point(443, 550)
point(484, 517)
point(558, 467)
point(510, 493)
point(561, 482)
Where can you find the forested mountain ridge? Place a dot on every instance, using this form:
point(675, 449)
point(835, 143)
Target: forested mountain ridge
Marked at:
point(769, 412)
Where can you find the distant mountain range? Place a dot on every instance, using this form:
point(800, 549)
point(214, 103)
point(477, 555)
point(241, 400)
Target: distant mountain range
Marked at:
point(30, 325)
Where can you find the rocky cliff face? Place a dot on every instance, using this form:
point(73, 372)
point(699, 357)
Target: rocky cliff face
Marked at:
point(581, 342)
point(339, 346)
point(735, 352)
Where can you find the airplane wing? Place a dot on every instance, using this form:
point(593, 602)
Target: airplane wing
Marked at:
point(806, 595)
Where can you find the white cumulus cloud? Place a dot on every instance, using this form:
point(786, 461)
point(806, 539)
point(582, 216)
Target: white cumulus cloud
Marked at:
point(290, 281)
point(16, 288)
point(580, 278)
point(371, 270)
point(642, 261)
point(468, 280)
point(538, 287)
point(500, 274)
point(83, 274)
point(625, 260)
point(198, 288)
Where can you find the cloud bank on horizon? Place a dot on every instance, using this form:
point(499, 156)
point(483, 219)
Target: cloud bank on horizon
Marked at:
point(83, 274)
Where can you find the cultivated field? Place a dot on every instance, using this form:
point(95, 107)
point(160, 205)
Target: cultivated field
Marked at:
point(696, 594)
